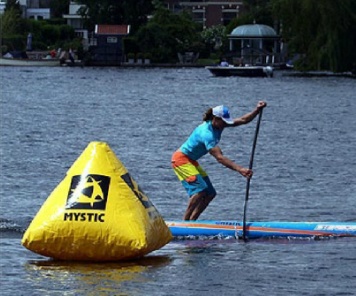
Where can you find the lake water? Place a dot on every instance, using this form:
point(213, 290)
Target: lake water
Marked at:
point(304, 170)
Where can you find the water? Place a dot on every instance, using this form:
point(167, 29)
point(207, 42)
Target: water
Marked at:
point(305, 168)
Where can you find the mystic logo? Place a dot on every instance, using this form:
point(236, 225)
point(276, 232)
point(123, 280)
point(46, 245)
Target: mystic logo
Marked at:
point(147, 204)
point(88, 192)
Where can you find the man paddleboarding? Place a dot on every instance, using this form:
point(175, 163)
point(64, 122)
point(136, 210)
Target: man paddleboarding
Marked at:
point(204, 139)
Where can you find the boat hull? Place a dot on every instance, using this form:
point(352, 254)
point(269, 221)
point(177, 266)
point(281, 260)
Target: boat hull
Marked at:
point(228, 228)
point(248, 71)
point(29, 62)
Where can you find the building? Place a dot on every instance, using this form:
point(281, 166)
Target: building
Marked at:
point(2, 6)
point(35, 9)
point(75, 20)
point(106, 46)
point(208, 13)
point(31, 9)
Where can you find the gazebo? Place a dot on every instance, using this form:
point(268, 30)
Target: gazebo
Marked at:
point(259, 44)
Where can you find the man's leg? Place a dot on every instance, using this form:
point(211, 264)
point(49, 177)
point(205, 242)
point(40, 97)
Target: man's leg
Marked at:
point(202, 205)
point(193, 206)
point(197, 204)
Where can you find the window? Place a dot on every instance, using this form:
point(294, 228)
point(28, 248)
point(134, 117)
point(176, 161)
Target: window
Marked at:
point(177, 8)
point(111, 40)
point(228, 16)
point(93, 41)
point(198, 16)
point(79, 34)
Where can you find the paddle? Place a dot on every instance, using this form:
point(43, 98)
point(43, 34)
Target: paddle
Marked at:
point(248, 180)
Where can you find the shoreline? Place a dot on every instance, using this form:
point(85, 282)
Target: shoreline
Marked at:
point(277, 68)
point(320, 74)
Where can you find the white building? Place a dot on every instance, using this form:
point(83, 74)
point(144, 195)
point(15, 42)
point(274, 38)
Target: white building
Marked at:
point(38, 13)
point(75, 20)
point(30, 9)
point(2, 6)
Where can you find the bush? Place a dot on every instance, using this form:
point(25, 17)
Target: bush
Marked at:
point(147, 56)
point(50, 34)
point(3, 49)
point(56, 21)
point(38, 45)
point(131, 55)
point(130, 44)
point(14, 42)
point(45, 33)
point(66, 32)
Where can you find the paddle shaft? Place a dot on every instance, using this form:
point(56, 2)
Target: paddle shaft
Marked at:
point(249, 179)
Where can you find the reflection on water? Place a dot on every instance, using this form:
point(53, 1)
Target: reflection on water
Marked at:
point(94, 278)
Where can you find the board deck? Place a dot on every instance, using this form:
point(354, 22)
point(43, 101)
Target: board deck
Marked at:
point(227, 228)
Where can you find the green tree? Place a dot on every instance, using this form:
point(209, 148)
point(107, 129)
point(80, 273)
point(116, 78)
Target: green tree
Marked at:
point(258, 11)
point(214, 37)
point(135, 12)
point(59, 7)
point(9, 22)
point(13, 5)
point(131, 12)
point(11, 27)
point(101, 12)
point(322, 31)
point(50, 34)
point(66, 33)
point(167, 34)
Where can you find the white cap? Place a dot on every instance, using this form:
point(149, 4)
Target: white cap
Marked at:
point(223, 112)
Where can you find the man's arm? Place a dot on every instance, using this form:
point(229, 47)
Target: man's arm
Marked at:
point(248, 117)
point(217, 153)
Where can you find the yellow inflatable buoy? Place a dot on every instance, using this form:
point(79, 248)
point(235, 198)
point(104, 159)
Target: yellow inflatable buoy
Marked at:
point(97, 213)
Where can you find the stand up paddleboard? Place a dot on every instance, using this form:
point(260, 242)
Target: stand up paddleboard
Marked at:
point(229, 228)
point(249, 230)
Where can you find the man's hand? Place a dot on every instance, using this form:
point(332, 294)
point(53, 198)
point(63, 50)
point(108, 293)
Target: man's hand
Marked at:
point(247, 173)
point(261, 105)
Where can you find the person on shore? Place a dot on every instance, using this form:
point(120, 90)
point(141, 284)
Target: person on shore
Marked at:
point(204, 139)
point(71, 55)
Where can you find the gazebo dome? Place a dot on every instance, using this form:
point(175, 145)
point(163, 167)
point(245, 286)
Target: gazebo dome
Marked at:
point(254, 30)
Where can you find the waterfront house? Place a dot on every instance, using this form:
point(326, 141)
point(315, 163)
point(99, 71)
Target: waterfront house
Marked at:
point(106, 45)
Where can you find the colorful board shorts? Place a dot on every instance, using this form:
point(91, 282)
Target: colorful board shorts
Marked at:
point(194, 179)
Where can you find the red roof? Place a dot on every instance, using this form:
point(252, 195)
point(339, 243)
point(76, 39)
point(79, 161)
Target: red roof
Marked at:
point(112, 29)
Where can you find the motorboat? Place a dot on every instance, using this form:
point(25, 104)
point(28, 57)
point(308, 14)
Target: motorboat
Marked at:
point(243, 71)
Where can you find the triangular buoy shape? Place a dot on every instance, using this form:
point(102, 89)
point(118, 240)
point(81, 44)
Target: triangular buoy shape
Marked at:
point(97, 213)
